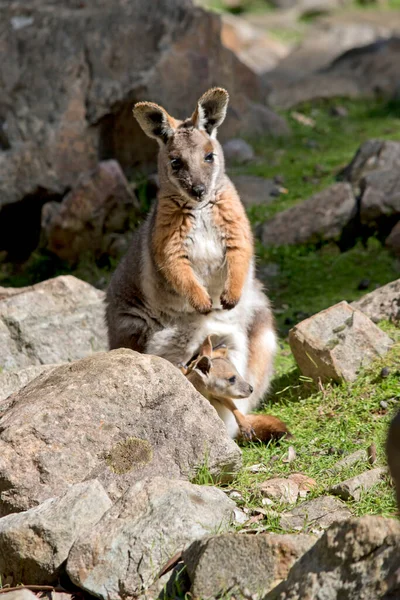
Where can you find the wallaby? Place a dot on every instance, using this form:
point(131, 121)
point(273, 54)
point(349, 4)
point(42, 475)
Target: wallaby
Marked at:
point(189, 272)
point(215, 377)
point(393, 454)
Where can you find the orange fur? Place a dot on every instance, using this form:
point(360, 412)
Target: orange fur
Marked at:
point(267, 427)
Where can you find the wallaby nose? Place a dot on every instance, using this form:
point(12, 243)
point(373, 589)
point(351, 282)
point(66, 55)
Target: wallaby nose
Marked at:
point(198, 190)
point(251, 389)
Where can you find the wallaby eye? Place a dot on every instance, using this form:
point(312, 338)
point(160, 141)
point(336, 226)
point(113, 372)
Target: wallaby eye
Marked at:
point(176, 163)
point(232, 379)
point(209, 157)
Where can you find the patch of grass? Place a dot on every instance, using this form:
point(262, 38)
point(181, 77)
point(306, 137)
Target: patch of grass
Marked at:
point(327, 424)
point(311, 280)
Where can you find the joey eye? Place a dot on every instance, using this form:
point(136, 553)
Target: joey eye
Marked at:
point(209, 157)
point(176, 163)
point(232, 379)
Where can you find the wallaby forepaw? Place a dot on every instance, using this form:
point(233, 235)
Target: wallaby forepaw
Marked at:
point(204, 307)
point(246, 432)
point(229, 301)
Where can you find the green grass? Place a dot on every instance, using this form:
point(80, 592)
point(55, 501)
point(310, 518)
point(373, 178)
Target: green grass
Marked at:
point(327, 424)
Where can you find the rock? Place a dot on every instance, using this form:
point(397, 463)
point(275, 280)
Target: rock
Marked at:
point(380, 198)
point(58, 320)
point(335, 343)
point(303, 7)
point(393, 453)
point(360, 456)
point(381, 304)
point(146, 527)
point(254, 191)
point(59, 122)
point(22, 594)
point(322, 217)
point(12, 381)
point(315, 515)
point(35, 544)
point(279, 489)
point(99, 205)
point(116, 416)
point(373, 155)
point(259, 51)
point(236, 563)
point(238, 151)
point(305, 483)
point(393, 240)
point(359, 558)
point(353, 488)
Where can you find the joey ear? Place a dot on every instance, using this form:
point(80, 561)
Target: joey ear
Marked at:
point(211, 110)
point(206, 348)
point(204, 365)
point(221, 352)
point(154, 120)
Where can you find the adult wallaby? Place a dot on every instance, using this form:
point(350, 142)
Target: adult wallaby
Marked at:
point(189, 272)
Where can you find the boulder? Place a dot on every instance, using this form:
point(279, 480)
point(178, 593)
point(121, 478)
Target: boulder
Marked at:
point(380, 198)
point(101, 204)
point(336, 343)
point(383, 304)
point(255, 191)
point(255, 48)
point(57, 123)
point(357, 558)
point(116, 416)
point(322, 217)
point(393, 453)
point(22, 594)
point(315, 515)
point(35, 544)
point(353, 488)
point(12, 381)
point(237, 151)
point(235, 564)
point(373, 155)
point(122, 555)
point(393, 240)
point(58, 320)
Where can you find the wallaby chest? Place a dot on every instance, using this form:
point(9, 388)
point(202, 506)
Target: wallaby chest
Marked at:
point(205, 244)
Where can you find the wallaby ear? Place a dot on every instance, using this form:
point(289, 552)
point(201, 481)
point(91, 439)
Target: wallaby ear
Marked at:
point(221, 352)
point(211, 110)
point(154, 120)
point(203, 365)
point(206, 348)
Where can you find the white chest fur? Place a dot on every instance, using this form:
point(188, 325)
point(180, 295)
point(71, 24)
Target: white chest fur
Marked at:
point(205, 246)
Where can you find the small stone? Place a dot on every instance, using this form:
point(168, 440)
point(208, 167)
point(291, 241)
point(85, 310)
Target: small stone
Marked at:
point(360, 456)
point(383, 404)
point(279, 179)
point(364, 284)
point(316, 514)
point(238, 151)
point(305, 483)
point(339, 111)
point(335, 343)
point(280, 490)
point(385, 372)
point(353, 488)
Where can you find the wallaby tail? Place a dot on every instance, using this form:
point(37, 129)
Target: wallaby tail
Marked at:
point(267, 428)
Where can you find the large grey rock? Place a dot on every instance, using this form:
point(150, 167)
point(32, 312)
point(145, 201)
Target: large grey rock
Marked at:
point(373, 155)
point(100, 205)
point(58, 320)
point(381, 304)
point(22, 594)
point(12, 381)
point(352, 560)
point(35, 544)
point(322, 217)
point(237, 151)
point(122, 555)
point(353, 488)
point(393, 453)
point(380, 197)
point(393, 240)
point(117, 416)
point(236, 564)
point(335, 343)
point(254, 191)
point(315, 515)
point(57, 122)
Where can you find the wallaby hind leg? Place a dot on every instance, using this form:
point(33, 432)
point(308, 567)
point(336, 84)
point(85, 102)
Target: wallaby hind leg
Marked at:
point(129, 332)
point(262, 347)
